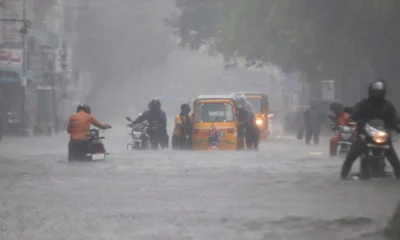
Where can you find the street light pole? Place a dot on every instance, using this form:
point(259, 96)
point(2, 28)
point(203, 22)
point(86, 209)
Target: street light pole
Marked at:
point(24, 63)
point(53, 86)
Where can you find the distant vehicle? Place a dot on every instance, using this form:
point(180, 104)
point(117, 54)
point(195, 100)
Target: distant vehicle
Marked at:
point(140, 138)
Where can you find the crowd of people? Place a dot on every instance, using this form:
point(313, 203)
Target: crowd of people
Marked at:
point(81, 121)
point(309, 122)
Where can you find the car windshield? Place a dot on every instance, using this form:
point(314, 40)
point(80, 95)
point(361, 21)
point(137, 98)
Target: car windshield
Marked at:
point(214, 112)
point(257, 104)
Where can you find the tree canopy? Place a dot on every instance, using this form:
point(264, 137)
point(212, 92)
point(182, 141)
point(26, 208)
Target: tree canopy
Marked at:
point(314, 36)
point(196, 22)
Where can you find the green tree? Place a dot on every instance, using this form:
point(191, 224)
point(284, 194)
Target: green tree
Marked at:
point(321, 38)
point(196, 21)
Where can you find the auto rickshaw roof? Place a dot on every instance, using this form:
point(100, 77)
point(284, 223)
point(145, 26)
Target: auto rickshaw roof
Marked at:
point(211, 97)
point(251, 94)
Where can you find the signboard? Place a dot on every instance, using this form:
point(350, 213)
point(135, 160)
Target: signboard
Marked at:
point(328, 90)
point(13, 9)
point(63, 61)
point(11, 58)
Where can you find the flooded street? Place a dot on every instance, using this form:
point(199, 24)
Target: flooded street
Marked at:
point(284, 191)
point(213, 70)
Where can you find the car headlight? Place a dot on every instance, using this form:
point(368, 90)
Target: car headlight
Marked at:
point(380, 137)
point(259, 122)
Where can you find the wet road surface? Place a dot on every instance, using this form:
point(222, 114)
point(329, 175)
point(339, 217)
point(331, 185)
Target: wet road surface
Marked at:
point(284, 191)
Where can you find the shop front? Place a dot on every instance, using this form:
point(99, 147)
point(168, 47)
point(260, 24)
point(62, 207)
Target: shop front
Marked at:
point(16, 101)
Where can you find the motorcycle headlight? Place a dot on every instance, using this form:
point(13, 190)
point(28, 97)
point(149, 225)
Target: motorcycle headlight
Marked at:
point(380, 137)
point(259, 122)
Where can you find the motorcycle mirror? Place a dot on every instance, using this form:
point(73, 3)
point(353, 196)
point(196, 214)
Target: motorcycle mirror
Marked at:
point(102, 138)
point(129, 119)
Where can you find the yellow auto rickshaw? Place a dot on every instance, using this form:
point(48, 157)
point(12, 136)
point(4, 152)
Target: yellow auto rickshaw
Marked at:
point(214, 123)
point(259, 102)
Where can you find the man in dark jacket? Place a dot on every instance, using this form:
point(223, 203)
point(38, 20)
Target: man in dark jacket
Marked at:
point(155, 116)
point(374, 107)
point(246, 125)
point(312, 120)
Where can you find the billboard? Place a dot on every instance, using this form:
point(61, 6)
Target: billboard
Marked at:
point(328, 90)
point(11, 58)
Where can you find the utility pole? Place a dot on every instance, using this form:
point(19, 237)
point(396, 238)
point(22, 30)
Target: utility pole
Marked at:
point(48, 59)
point(53, 86)
point(24, 63)
point(24, 41)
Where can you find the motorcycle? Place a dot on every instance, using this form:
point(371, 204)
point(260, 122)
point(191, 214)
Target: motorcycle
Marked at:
point(140, 138)
point(377, 140)
point(346, 136)
point(95, 150)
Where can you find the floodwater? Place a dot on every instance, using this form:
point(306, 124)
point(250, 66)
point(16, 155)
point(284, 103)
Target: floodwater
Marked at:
point(285, 191)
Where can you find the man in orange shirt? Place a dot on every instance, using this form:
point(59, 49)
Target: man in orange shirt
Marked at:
point(340, 119)
point(78, 129)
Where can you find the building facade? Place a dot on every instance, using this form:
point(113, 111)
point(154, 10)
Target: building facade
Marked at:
point(44, 59)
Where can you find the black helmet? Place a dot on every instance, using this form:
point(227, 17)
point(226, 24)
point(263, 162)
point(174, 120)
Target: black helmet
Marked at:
point(336, 107)
point(377, 89)
point(185, 108)
point(155, 104)
point(83, 107)
point(240, 102)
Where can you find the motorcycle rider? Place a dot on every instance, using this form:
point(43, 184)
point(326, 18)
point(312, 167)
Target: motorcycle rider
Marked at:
point(374, 107)
point(246, 125)
point(78, 129)
point(340, 119)
point(155, 115)
point(182, 135)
